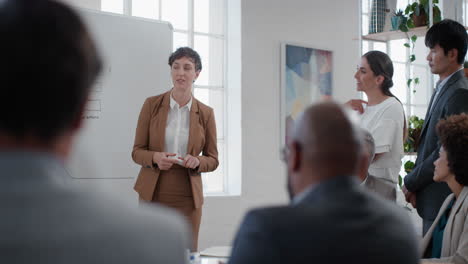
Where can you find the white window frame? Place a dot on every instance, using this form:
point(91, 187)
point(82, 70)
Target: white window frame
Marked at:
point(231, 139)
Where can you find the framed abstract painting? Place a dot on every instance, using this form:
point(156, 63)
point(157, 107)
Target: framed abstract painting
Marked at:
point(306, 78)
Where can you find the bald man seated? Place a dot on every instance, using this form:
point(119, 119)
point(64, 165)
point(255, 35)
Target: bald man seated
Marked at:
point(331, 218)
point(382, 187)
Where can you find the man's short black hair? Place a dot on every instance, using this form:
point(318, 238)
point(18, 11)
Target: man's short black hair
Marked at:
point(189, 53)
point(48, 63)
point(449, 35)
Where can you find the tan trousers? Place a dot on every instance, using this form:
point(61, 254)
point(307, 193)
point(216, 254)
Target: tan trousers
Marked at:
point(175, 191)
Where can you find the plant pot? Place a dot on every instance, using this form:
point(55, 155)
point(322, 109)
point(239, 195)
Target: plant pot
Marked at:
point(396, 22)
point(420, 20)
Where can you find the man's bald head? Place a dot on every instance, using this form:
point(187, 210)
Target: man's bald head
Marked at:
point(328, 140)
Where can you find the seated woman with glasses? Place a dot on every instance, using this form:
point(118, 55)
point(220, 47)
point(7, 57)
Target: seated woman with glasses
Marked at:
point(447, 239)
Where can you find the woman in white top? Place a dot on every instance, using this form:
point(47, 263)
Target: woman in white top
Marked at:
point(382, 115)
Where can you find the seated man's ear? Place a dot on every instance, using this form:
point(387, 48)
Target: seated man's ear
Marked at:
point(362, 166)
point(295, 157)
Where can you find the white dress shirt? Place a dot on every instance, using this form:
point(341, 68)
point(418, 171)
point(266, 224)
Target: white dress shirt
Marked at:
point(177, 128)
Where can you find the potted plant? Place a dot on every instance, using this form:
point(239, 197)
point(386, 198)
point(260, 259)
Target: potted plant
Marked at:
point(398, 19)
point(418, 12)
point(414, 132)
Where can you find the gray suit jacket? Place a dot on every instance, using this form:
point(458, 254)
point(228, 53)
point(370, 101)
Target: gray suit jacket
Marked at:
point(455, 239)
point(430, 195)
point(338, 222)
point(44, 220)
point(385, 189)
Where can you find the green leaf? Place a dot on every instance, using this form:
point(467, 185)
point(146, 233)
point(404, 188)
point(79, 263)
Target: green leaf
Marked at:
point(409, 166)
point(410, 23)
point(416, 80)
point(406, 45)
point(412, 58)
point(408, 82)
point(408, 9)
point(403, 27)
point(400, 181)
point(414, 38)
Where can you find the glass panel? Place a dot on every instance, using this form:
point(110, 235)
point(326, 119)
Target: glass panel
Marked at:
point(419, 95)
point(381, 46)
point(365, 6)
point(145, 8)
point(114, 6)
point(213, 182)
point(214, 99)
point(401, 4)
point(419, 111)
point(201, 15)
point(202, 95)
point(176, 12)
point(365, 24)
point(421, 51)
point(399, 81)
point(211, 51)
point(209, 16)
point(365, 46)
point(179, 40)
point(398, 51)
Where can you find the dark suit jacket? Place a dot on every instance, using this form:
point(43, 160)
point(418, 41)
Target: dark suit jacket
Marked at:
point(45, 220)
point(150, 135)
point(430, 195)
point(337, 222)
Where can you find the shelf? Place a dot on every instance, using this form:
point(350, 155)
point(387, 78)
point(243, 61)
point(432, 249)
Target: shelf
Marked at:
point(397, 34)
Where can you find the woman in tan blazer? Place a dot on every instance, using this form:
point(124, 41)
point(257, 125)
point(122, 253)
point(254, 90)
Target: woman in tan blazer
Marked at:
point(175, 141)
point(447, 239)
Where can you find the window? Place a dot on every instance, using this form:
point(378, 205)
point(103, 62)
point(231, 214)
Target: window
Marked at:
point(201, 24)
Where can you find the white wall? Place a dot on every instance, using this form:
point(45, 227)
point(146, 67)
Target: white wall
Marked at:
point(332, 25)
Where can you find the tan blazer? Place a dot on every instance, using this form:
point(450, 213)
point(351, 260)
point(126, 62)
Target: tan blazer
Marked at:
point(455, 239)
point(150, 135)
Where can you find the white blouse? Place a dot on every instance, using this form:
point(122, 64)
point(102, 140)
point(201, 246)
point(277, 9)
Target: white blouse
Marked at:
point(385, 122)
point(177, 128)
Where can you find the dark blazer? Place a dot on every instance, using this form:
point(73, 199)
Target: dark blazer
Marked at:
point(47, 221)
point(337, 222)
point(150, 135)
point(452, 100)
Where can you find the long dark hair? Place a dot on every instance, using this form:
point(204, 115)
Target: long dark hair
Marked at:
point(382, 65)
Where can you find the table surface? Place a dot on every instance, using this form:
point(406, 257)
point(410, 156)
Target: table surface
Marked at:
point(212, 260)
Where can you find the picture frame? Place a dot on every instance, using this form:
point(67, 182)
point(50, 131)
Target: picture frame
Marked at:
point(306, 78)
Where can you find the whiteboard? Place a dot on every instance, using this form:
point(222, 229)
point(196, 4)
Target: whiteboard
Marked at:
point(135, 52)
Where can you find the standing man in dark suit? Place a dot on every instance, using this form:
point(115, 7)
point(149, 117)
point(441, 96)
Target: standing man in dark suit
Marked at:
point(48, 63)
point(331, 219)
point(448, 42)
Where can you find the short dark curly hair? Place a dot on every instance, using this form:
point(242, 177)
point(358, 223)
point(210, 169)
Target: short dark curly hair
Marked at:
point(189, 53)
point(453, 135)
